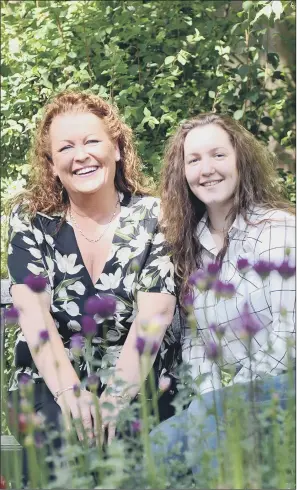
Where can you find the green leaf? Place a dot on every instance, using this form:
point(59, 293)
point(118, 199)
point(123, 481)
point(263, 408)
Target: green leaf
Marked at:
point(169, 60)
point(182, 60)
point(247, 5)
point(211, 94)
point(146, 112)
point(277, 8)
point(238, 114)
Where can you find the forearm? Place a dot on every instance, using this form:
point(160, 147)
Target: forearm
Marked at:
point(50, 357)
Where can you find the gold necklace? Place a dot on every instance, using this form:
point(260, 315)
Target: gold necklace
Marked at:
point(94, 240)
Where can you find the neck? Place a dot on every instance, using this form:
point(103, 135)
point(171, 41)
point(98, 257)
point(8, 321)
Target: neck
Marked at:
point(218, 218)
point(97, 206)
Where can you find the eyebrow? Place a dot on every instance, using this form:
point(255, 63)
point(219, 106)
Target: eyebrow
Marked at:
point(212, 149)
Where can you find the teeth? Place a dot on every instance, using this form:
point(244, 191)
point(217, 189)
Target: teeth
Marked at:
point(85, 170)
point(214, 182)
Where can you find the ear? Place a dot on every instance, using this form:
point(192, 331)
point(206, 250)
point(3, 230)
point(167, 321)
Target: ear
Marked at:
point(117, 152)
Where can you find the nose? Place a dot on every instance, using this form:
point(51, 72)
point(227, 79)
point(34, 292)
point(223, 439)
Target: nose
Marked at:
point(80, 154)
point(206, 166)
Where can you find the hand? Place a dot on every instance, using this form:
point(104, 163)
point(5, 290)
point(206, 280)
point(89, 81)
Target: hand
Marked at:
point(83, 410)
point(109, 418)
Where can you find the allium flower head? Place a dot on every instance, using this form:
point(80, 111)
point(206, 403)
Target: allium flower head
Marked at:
point(93, 381)
point(76, 343)
point(200, 280)
point(286, 270)
point(104, 307)
point(39, 438)
point(89, 326)
point(219, 330)
point(154, 348)
point(223, 289)
point(248, 324)
point(263, 268)
point(36, 283)
point(212, 351)
point(11, 315)
point(243, 265)
point(189, 300)
point(76, 390)
point(140, 345)
point(43, 336)
point(213, 269)
point(136, 426)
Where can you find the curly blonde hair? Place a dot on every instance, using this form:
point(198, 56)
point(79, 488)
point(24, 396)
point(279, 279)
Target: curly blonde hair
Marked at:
point(44, 192)
point(182, 210)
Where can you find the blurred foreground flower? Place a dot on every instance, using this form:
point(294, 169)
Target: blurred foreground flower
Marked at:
point(219, 330)
point(3, 483)
point(76, 390)
point(11, 315)
point(93, 381)
point(136, 426)
point(263, 268)
point(89, 326)
point(223, 289)
point(248, 325)
point(36, 283)
point(104, 307)
point(199, 279)
point(212, 351)
point(213, 269)
point(286, 270)
point(243, 265)
point(153, 325)
point(145, 346)
point(43, 336)
point(76, 344)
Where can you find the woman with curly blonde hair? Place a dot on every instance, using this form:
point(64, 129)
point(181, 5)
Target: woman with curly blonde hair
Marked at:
point(232, 236)
point(87, 225)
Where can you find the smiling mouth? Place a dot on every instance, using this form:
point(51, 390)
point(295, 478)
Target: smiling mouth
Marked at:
point(212, 183)
point(85, 170)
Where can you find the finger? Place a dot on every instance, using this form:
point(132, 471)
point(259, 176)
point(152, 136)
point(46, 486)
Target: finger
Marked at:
point(87, 423)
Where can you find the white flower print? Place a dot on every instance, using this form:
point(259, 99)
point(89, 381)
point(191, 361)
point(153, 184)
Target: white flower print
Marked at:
point(127, 230)
point(35, 269)
point(164, 265)
point(66, 263)
point(9, 249)
point(128, 282)
point(38, 235)
point(28, 240)
point(71, 308)
point(159, 238)
point(62, 293)
point(35, 252)
point(141, 239)
point(169, 284)
point(17, 225)
point(49, 239)
point(74, 326)
point(78, 287)
point(110, 281)
point(123, 255)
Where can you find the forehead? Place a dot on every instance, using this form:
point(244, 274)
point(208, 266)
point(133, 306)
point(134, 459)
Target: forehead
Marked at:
point(203, 138)
point(70, 124)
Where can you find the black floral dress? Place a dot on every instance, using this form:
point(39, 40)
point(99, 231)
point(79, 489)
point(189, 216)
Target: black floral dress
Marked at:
point(47, 245)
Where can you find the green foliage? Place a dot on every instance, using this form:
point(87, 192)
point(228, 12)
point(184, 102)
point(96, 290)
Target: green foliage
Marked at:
point(159, 64)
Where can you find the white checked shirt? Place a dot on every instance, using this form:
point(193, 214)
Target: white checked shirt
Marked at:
point(263, 241)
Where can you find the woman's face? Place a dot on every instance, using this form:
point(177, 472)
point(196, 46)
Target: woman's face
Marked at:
point(210, 165)
point(83, 155)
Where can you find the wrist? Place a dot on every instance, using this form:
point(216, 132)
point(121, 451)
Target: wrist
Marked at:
point(75, 389)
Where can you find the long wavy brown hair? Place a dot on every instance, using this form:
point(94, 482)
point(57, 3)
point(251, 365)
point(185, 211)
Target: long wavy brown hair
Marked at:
point(44, 192)
point(182, 210)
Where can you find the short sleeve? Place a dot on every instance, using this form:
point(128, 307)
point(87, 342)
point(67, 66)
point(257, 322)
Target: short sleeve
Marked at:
point(24, 248)
point(157, 274)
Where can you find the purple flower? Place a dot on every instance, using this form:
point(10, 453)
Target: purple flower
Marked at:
point(243, 265)
point(135, 426)
point(76, 390)
point(223, 289)
point(11, 315)
point(189, 300)
point(212, 350)
point(89, 326)
point(76, 343)
point(286, 270)
point(219, 330)
point(140, 345)
point(213, 269)
point(93, 381)
point(36, 283)
point(43, 336)
point(263, 268)
point(249, 326)
point(104, 307)
point(154, 348)
point(199, 279)
point(25, 379)
point(39, 438)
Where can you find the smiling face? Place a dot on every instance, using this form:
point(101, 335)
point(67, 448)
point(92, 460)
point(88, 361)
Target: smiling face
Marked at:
point(210, 165)
point(83, 155)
